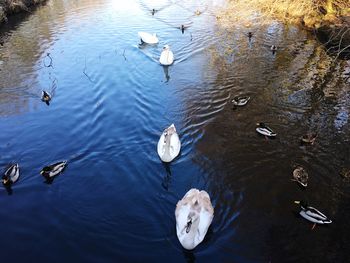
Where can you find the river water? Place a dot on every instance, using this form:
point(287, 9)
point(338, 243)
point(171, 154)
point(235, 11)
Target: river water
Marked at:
point(115, 201)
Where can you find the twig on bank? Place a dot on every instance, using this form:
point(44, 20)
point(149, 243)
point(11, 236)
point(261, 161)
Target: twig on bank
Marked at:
point(50, 64)
point(84, 71)
point(341, 51)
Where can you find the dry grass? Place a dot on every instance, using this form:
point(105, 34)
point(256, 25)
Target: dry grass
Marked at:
point(309, 12)
point(14, 6)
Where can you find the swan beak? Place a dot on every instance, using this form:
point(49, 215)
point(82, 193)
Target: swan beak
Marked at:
point(4, 181)
point(296, 202)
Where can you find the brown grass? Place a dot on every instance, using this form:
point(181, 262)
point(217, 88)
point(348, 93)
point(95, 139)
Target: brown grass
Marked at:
point(14, 6)
point(309, 12)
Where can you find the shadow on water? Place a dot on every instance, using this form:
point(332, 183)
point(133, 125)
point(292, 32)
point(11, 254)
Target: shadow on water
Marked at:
point(167, 178)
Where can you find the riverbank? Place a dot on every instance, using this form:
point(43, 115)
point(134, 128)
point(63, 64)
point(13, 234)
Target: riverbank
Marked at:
point(329, 19)
point(311, 14)
point(9, 7)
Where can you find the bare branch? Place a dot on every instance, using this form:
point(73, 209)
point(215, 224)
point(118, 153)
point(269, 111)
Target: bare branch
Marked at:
point(124, 55)
point(50, 64)
point(84, 71)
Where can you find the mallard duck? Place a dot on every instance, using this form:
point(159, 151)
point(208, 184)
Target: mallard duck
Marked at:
point(167, 56)
point(169, 144)
point(264, 130)
point(312, 214)
point(148, 38)
point(11, 175)
point(300, 175)
point(45, 97)
point(308, 138)
point(194, 214)
point(53, 169)
point(240, 101)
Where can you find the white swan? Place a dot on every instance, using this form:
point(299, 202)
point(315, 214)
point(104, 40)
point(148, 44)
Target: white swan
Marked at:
point(169, 144)
point(194, 214)
point(167, 56)
point(148, 38)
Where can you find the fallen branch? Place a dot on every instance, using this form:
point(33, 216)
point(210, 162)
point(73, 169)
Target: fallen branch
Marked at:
point(84, 71)
point(124, 55)
point(50, 65)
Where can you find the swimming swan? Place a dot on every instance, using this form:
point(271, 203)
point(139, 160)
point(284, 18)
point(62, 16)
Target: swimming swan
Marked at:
point(167, 56)
point(194, 214)
point(169, 144)
point(148, 38)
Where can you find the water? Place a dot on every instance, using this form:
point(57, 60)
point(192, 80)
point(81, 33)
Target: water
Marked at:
point(115, 201)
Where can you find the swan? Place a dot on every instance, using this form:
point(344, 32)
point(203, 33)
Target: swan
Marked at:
point(53, 169)
point(11, 175)
point(148, 38)
point(194, 214)
point(169, 144)
point(167, 56)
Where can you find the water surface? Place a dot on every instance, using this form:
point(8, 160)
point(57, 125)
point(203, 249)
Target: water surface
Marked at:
point(115, 201)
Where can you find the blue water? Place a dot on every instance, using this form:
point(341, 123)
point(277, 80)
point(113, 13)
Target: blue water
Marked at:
point(115, 201)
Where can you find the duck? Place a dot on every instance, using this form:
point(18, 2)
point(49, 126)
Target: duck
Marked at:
point(240, 101)
point(153, 11)
point(273, 49)
point(182, 27)
point(250, 35)
point(264, 130)
point(194, 214)
point(197, 13)
point(167, 56)
point(308, 138)
point(148, 38)
point(45, 97)
point(169, 144)
point(53, 169)
point(11, 175)
point(312, 214)
point(300, 176)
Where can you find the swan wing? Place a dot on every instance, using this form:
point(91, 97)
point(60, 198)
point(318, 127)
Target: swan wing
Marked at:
point(206, 214)
point(166, 58)
point(175, 145)
point(205, 220)
point(161, 145)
